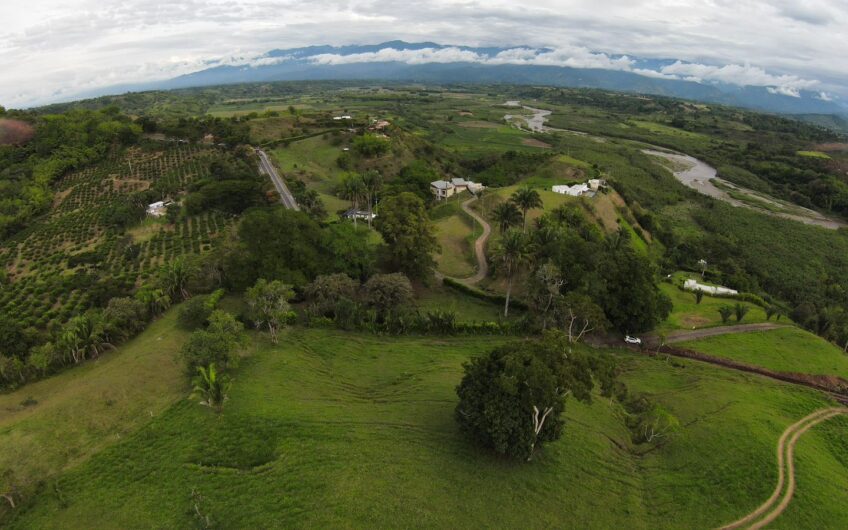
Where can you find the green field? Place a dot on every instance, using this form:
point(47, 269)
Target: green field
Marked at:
point(687, 314)
point(457, 257)
point(786, 350)
point(332, 429)
point(814, 154)
point(53, 424)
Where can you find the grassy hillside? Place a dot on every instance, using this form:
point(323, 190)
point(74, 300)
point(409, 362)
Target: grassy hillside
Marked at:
point(334, 429)
point(54, 424)
point(787, 350)
point(688, 314)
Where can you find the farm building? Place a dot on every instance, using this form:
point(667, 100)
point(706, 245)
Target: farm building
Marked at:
point(693, 285)
point(158, 209)
point(460, 184)
point(358, 214)
point(573, 191)
point(442, 189)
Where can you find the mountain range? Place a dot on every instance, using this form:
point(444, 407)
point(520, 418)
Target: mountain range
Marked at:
point(428, 62)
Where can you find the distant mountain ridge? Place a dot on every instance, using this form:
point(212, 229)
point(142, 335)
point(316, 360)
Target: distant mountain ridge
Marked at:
point(307, 64)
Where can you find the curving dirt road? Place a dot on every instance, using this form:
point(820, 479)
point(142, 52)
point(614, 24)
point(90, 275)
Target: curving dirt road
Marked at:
point(479, 248)
point(479, 244)
point(768, 511)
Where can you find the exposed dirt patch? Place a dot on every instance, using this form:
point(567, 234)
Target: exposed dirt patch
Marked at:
point(831, 147)
point(466, 113)
point(532, 142)
point(60, 196)
point(694, 321)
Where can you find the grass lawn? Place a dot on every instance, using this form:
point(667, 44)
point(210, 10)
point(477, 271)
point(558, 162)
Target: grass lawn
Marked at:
point(454, 233)
point(315, 157)
point(330, 429)
point(53, 424)
point(787, 350)
point(686, 314)
point(467, 308)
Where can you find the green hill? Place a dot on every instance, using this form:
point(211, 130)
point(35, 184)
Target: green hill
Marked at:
point(336, 429)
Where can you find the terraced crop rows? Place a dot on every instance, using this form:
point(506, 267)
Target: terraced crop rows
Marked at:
point(43, 286)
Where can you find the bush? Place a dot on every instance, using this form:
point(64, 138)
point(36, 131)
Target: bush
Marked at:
point(196, 311)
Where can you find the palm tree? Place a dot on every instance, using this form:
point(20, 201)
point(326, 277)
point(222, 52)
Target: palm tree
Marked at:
point(353, 189)
point(211, 387)
point(526, 198)
point(174, 278)
point(157, 301)
point(506, 215)
point(510, 254)
point(83, 338)
point(372, 181)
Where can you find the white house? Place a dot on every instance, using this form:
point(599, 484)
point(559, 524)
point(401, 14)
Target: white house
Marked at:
point(442, 189)
point(574, 191)
point(596, 184)
point(693, 285)
point(157, 209)
point(358, 214)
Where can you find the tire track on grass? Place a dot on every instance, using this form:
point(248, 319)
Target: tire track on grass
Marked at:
point(768, 512)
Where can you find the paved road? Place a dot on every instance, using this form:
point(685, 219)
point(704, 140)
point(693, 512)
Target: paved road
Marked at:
point(265, 166)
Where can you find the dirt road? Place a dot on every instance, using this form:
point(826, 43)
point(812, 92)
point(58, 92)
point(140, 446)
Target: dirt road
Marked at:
point(769, 511)
point(695, 334)
point(479, 247)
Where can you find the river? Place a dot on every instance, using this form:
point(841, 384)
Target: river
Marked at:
point(695, 174)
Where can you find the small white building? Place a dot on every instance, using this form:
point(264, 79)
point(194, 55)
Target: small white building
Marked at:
point(442, 189)
point(158, 209)
point(344, 117)
point(573, 191)
point(693, 285)
point(596, 184)
point(359, 214)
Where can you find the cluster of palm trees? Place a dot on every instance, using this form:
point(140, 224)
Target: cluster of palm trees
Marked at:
point(362, 188)
point(514, 212)
point(513, 250)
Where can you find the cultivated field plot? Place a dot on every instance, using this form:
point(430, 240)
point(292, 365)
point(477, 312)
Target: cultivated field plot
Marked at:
point(54, 264)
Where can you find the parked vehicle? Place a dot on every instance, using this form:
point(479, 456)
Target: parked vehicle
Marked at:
point(633, 340)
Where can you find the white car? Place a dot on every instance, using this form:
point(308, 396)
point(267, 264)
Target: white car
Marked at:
point(633, 340)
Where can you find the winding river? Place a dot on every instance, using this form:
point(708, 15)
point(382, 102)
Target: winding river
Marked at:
point(693, 173)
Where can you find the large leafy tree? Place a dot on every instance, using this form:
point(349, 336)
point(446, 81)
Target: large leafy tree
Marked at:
point(269, 307)
point(512, 399)
point(409, 235)
point(388, 293)
point(627, 291)
point(510, 255)
point(275, 244)
point(526, 198)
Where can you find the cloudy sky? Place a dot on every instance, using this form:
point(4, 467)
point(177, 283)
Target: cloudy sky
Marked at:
point(54, 49)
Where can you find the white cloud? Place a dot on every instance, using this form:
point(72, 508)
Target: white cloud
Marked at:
point(56, 48)
point(422, 56)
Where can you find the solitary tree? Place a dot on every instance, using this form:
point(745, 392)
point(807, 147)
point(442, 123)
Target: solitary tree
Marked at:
point(699, 295)
point(526, 198)
point(703, 264)
point(211, 387)
point(512, 399)
point(269, 307)
point(509, 256)
point(725, 311)
point(507, 215)
point(770, 311)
